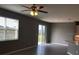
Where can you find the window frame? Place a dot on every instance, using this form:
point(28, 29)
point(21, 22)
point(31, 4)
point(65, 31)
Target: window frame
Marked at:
point(5, 29)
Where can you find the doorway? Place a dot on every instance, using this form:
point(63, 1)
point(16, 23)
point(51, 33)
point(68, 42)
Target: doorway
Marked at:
point(42, 34)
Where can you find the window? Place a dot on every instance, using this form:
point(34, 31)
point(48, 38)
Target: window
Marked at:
point(42, 34)
point(8, 29)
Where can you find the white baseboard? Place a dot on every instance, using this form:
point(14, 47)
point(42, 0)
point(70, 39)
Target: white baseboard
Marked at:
point(60, 44)
point(54, 43)
point(69, 53)
point(19, 50)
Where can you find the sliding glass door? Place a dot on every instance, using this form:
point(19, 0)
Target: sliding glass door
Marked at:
point(42, 34)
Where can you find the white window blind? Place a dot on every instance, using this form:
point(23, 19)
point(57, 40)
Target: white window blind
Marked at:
point(8, 29)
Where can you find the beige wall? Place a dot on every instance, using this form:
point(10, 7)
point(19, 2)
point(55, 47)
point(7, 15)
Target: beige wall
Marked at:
point(62, 32)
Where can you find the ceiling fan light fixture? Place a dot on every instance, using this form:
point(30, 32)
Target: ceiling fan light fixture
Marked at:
point(34, 10)
point(34, 13)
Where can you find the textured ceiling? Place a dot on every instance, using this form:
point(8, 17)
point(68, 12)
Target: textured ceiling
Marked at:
point(56, 12)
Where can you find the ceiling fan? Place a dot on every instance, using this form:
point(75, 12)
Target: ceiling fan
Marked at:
point(34, 10)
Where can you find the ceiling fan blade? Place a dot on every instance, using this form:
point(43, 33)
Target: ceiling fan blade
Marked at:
point(26, 10)
point(26, 7)
point(42, 11)
point(41, 7)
